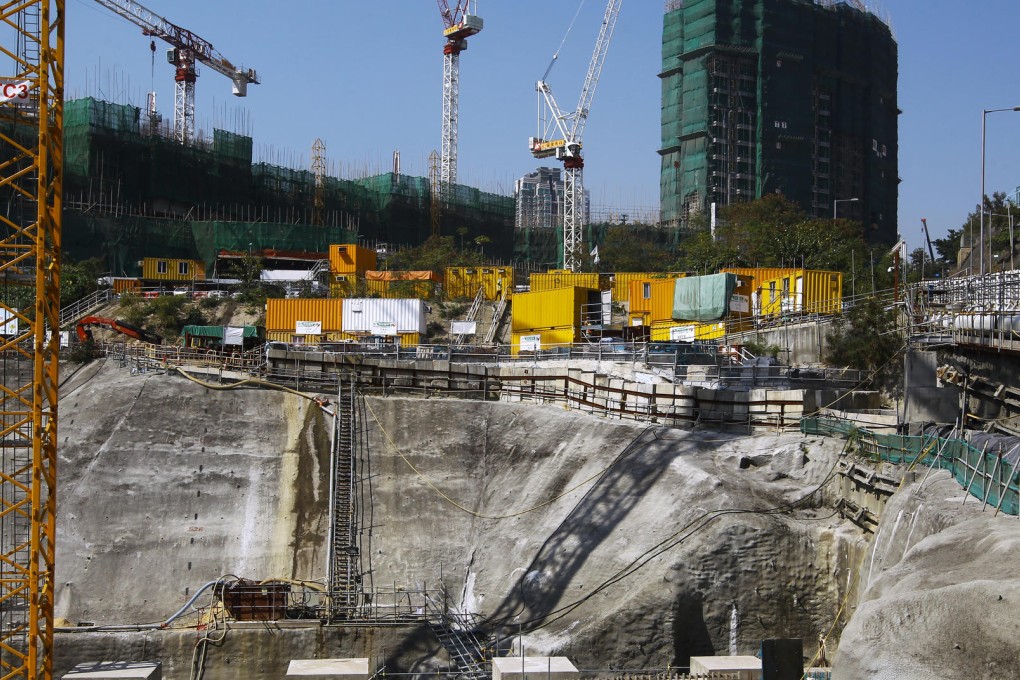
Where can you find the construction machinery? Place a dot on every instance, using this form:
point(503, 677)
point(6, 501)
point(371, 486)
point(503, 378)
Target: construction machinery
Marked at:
point(31, 174)
point(84, 329)
point(560, 133)
point(187, 50)
point(458, 25)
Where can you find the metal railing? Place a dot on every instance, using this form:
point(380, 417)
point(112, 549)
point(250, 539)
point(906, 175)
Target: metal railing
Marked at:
point(80, 308)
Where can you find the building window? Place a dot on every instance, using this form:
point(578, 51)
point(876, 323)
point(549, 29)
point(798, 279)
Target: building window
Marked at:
point(161, 267)
point(646, 291)
point(182, 268)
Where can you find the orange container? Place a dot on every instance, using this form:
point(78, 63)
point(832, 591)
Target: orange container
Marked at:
point(349, 258)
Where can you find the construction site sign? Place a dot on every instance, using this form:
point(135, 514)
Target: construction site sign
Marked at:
point(17, 91)
point(308, 328)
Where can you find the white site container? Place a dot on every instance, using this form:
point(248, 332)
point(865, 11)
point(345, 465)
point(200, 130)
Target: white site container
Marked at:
point(377, 315)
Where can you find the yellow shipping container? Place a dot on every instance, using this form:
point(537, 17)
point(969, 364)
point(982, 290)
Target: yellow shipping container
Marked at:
point(549, 338)
point(620, 282)
point(803, 292)
point(558, 308)
point(563, 278)
point(347, 285)
point(652, 299)
point(282, 315)
point(292, 337)
point(124, 285)
point(662, 331)
point(349, 258)
point(464, 282)
point(421, 290)
point(170, 269)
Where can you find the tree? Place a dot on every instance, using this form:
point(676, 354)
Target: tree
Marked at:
point(947, 248)
point(79, 279)
point(865, 338)
point(625, 249)
point(436, 254)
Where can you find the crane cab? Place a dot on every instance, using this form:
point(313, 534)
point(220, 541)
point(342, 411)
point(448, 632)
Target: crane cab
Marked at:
point(470, 25)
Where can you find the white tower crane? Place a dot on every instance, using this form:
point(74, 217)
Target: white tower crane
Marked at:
point(187, 49)
point(458, 26)
point(559, 135)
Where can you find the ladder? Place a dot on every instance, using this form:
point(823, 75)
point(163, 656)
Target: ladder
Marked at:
point(472, 314)
point(344, 553)
point(498, 317)
point(456, 631)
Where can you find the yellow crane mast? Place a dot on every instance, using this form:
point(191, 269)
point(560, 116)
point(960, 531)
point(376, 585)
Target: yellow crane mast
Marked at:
point(31, 160)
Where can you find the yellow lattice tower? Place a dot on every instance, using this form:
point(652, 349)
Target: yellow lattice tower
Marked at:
point(319, 172)
point(31, 161)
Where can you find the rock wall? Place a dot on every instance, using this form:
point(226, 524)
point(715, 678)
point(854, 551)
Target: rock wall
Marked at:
point(616, 544)
point(940, 590)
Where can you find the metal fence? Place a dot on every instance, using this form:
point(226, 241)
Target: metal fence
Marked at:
point(988, 475)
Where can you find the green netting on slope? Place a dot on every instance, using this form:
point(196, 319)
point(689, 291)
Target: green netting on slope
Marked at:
point(994, 477)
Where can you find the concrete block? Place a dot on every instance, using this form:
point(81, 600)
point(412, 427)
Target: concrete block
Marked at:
point(534, 667)
point(744, 667)
point(347, 669)
point(116, 670)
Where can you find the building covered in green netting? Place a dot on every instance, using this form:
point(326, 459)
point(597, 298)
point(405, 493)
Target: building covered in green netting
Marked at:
point(132, 192)
point(790, 96)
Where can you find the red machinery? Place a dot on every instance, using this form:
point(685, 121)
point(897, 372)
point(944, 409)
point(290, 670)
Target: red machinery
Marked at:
point(84, 329)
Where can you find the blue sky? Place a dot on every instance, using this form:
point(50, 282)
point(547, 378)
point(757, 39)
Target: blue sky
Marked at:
point(366, 76)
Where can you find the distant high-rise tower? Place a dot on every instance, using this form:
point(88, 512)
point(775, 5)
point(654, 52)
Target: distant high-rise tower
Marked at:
point(796, 97)
point(538, 197)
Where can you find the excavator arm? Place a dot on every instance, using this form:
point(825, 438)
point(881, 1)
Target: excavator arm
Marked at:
point(84, 329)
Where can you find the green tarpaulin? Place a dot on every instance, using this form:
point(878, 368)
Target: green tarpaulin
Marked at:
point(216, 332)
point(703, 298)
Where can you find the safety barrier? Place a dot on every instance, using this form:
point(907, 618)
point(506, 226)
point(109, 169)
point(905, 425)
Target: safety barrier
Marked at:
point(987, 475)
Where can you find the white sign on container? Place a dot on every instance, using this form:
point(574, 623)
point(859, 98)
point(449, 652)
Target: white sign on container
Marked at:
point(681, 333)
point(463, 327)
point(359, 314)
point(531, 343)
point(384, 328)
point(235, 336)
point(740, 303)
point(308, 328)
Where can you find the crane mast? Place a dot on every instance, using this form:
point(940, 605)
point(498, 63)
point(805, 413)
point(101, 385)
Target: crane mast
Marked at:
point(560, 134)
point(458, 26)
point(187, 51)
point(30, 246)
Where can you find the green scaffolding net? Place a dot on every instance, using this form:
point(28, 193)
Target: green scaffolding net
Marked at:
point(986, 475)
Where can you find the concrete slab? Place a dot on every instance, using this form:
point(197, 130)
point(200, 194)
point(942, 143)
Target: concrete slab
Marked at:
point(348, 669)
point(535, 667)
point(116, 670)
point(745, 667)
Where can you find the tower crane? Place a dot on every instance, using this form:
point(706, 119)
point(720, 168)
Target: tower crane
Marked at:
point(458, 26)
point(187, 50)
point(560, 133)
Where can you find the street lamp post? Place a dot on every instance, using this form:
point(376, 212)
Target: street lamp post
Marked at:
point(842, 200)
point(981, 204)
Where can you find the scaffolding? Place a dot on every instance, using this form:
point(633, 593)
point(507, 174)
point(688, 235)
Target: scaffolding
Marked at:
point(120, 165)
point(752, 103)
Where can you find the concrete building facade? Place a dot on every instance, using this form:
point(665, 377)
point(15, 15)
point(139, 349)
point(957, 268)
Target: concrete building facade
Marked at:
point(538, 200)
point(779, 96)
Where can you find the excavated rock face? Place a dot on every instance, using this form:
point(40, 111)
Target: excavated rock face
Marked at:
point(616, 544)
point(940, 591)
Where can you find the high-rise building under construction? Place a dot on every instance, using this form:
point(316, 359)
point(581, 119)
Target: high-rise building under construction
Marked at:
point(790, 96)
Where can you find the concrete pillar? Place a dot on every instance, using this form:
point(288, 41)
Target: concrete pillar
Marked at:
point(116, 670)
point(534, 668)
point(328, 669)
